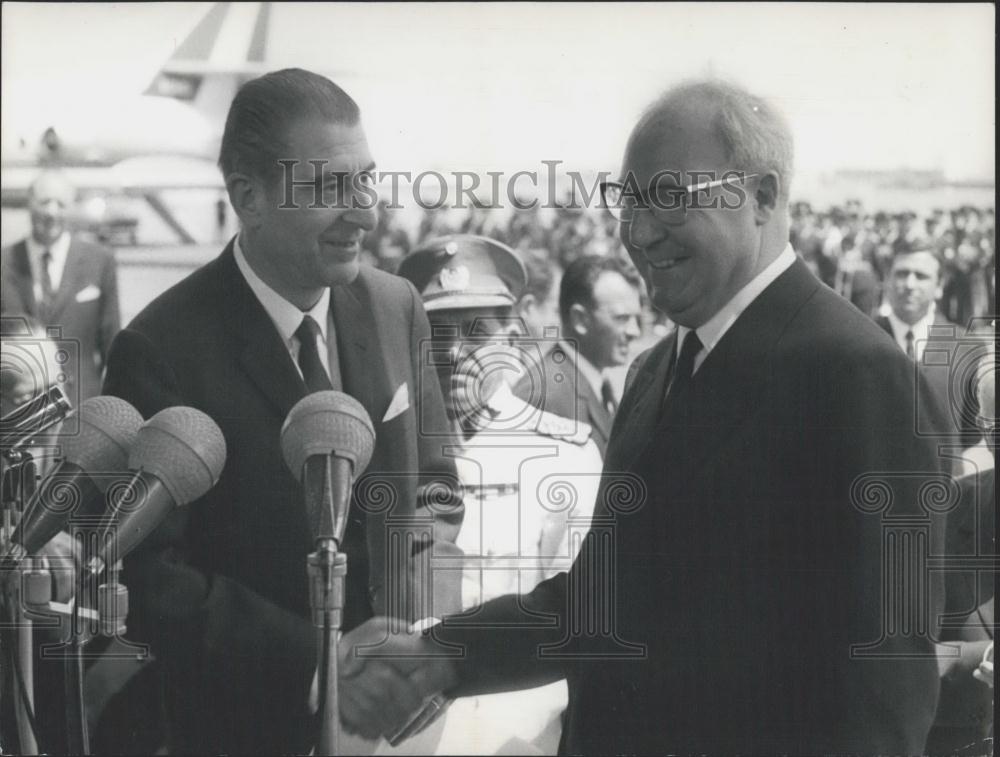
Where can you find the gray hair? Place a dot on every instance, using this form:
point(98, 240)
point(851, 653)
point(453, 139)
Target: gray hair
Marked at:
point(755, 134)
point(56, 175)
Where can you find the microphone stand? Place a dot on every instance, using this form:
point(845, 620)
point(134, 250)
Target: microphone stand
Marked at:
point(17, 485)
point(327, 572)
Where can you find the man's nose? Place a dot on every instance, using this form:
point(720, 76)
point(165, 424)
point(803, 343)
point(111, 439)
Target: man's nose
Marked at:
point(644, 230)
point(632, 330)
point(363, 213)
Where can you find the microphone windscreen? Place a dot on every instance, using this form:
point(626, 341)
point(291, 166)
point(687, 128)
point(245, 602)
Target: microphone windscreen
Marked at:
point(108, 427)
point(184, 449)
point(327, 423)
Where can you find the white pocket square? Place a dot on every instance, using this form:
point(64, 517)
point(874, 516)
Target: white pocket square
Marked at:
point(87, 294)
point(400, 403)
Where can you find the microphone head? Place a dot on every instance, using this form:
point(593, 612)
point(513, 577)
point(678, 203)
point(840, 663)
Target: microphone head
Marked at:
point(327, 423)
point(108, 428)
point(184, 449)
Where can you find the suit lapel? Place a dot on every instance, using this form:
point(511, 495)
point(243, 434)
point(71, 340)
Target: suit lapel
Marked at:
point(731, 379)
point(264, 356)
point(363, 366)
point(74, 275)
point(637, 416)
point(596, 412)
point(886, 326)
point(22, 279)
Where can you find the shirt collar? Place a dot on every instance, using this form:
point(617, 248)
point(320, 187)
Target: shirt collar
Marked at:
point(921, 329)
point(711, 332)
point(286, 317)
point(591, 373)
point(58, 249)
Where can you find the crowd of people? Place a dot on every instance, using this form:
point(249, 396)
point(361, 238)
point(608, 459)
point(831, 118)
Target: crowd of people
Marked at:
point(849, 247)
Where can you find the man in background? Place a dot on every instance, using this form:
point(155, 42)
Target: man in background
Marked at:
point(529, 476)
point(63, 282)
point(538, 307)
point(599, 309)
point(927, 337)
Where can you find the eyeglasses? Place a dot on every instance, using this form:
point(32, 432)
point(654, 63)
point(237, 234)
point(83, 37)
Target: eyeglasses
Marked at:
point(669, 203)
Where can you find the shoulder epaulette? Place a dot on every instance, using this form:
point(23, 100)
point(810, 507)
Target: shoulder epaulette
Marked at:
point(564, 429)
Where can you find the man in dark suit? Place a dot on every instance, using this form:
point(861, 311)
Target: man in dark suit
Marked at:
point(729, 596)
point(63, 281)
point(599, 309)
point(927, 337)
point(220, 590)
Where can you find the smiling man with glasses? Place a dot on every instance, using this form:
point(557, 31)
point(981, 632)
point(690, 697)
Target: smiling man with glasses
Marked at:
point(736, 606)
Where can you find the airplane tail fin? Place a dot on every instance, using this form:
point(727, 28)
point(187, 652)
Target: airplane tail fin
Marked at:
point(225, 49)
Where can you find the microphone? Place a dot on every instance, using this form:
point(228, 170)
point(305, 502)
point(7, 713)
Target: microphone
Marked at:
point(327, 441)
point(108, 427)
point(177, 457)
point(44, 410)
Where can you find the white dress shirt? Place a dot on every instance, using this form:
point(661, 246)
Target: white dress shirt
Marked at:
point(921, 332)
point(287, 317)
point(59, 250)
point(716, 327)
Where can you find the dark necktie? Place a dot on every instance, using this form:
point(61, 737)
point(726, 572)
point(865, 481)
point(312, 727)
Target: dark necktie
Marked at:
point(684, 367)
point(608, 397)
point(909, 345)
point(46, 280)
point(313, 372)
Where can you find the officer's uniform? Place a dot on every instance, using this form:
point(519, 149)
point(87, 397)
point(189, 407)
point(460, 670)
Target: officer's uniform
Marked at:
point(530, 480)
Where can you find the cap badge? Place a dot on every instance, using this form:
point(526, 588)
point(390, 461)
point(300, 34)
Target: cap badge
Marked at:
point(455, 278)
point(451, 248)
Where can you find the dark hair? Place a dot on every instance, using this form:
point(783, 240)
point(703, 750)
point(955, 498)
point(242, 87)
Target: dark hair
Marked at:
point(541, 274)
point(580, 276)
point(265, 109)
point(910, 246)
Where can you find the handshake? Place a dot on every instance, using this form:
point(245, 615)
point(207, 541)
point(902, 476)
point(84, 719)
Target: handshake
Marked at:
point(389, 677)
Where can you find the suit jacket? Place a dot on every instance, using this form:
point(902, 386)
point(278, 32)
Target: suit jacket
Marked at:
point(736, 553)
point(951, 378)
point(861, 287)
point(85, 308)
point(220, 589)
point(563, 390)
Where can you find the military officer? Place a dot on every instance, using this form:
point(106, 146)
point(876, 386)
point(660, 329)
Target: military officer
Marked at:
point(529, 477)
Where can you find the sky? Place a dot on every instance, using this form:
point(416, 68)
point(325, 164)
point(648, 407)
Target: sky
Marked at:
point(506, 86)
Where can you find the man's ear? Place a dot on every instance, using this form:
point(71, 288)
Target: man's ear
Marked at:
point(247, 197)
point(579, 320)
point(765, 198)
point(526, 304)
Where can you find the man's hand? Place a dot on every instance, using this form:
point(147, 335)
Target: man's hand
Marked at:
point(387, 674)
point(984, 672)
